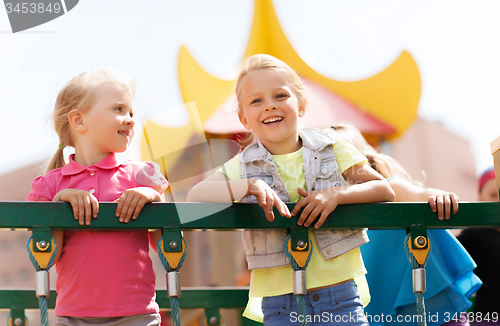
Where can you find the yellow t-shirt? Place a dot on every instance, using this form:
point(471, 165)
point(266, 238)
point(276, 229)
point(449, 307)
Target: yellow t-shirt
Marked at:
point(275, 281)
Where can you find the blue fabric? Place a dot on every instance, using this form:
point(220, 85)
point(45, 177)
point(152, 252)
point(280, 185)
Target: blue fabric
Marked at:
point(450, 280)
point(330, 306)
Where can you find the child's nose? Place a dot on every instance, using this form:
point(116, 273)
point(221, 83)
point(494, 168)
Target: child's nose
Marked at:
point(129, 121)
point(270, 106)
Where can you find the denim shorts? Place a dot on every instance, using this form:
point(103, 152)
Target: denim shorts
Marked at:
point(336, 305)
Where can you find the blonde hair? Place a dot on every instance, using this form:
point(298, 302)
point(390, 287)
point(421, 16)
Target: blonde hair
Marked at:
point(264, 61)
point(80, 94)
point(384, 164)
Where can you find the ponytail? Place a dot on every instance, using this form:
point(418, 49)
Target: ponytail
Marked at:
point(57, 160)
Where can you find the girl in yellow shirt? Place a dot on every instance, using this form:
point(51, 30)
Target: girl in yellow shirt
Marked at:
point(289, 164)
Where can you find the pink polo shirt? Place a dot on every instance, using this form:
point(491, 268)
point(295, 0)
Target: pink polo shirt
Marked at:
point(103, 273)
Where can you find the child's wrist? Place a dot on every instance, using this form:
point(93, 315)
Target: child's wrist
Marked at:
point(339, 196)
point(252, 182)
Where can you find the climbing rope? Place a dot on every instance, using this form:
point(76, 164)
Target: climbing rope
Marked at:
point(416, 265)
point(172, 279)
point(300, 297)
point(42, 297)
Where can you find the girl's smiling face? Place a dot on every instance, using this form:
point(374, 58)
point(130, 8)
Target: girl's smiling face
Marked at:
point(109, 121)
point(269, 107)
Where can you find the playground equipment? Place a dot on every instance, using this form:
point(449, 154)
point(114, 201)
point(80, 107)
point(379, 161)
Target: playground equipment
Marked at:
point(41, 217)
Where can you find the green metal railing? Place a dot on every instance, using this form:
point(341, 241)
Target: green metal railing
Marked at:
point(210, 299)
point(25, 215)
point(40, 217)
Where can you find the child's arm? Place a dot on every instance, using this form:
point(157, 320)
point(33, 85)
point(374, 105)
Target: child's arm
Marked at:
point(439, 200)
point(59, 239)
point(84, 204)
point(368, 186)
point(133, 200)
point(154, 236)
point(216, 189)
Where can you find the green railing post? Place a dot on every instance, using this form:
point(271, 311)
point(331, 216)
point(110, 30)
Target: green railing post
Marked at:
point(417, 247)
point(212, 317)
point(172, 239)
point(299, 238)
point(17, 317)
point(41, 239)
point(419, 239)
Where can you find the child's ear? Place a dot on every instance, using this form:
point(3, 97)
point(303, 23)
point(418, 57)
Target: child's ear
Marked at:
point(76, 121)
point(243, 120)
point(302, 109)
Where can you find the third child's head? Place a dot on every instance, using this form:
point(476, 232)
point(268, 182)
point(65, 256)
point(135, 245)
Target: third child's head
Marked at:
point(352, 135)
point(271, 98)
point(385, 165)
point(487, 186)
point(93, 113)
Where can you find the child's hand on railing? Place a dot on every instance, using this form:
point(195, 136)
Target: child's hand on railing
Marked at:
point(84, 204)
point(443, 204)
point(267, 198)
point(315, 203)
point(133, 200)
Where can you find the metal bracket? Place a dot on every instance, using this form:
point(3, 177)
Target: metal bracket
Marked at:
point(42, 239)
point(419, 238)
point(17, 317)
point(212, 316)
point(299, 238)
point(172, 239)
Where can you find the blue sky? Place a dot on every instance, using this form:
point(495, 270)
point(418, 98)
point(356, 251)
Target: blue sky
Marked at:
point(454, 42)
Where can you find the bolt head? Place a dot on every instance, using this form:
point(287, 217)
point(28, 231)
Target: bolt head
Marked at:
point(173, 245)
point(42, 245)
point(213, 320)
point(301, 244)
point(420, 241)
point(18, 322)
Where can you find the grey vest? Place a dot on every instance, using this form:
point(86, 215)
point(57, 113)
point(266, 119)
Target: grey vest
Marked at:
point(264, 248)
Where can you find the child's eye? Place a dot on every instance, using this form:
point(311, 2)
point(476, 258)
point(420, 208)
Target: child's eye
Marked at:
point(255, 101)
point(281, 95)
point(118, 108)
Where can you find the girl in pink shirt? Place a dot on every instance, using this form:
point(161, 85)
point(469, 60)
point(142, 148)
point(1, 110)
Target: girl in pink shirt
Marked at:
point(104, 277)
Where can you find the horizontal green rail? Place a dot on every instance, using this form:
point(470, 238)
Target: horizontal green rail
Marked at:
point(190, 216)
point(192, 298)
